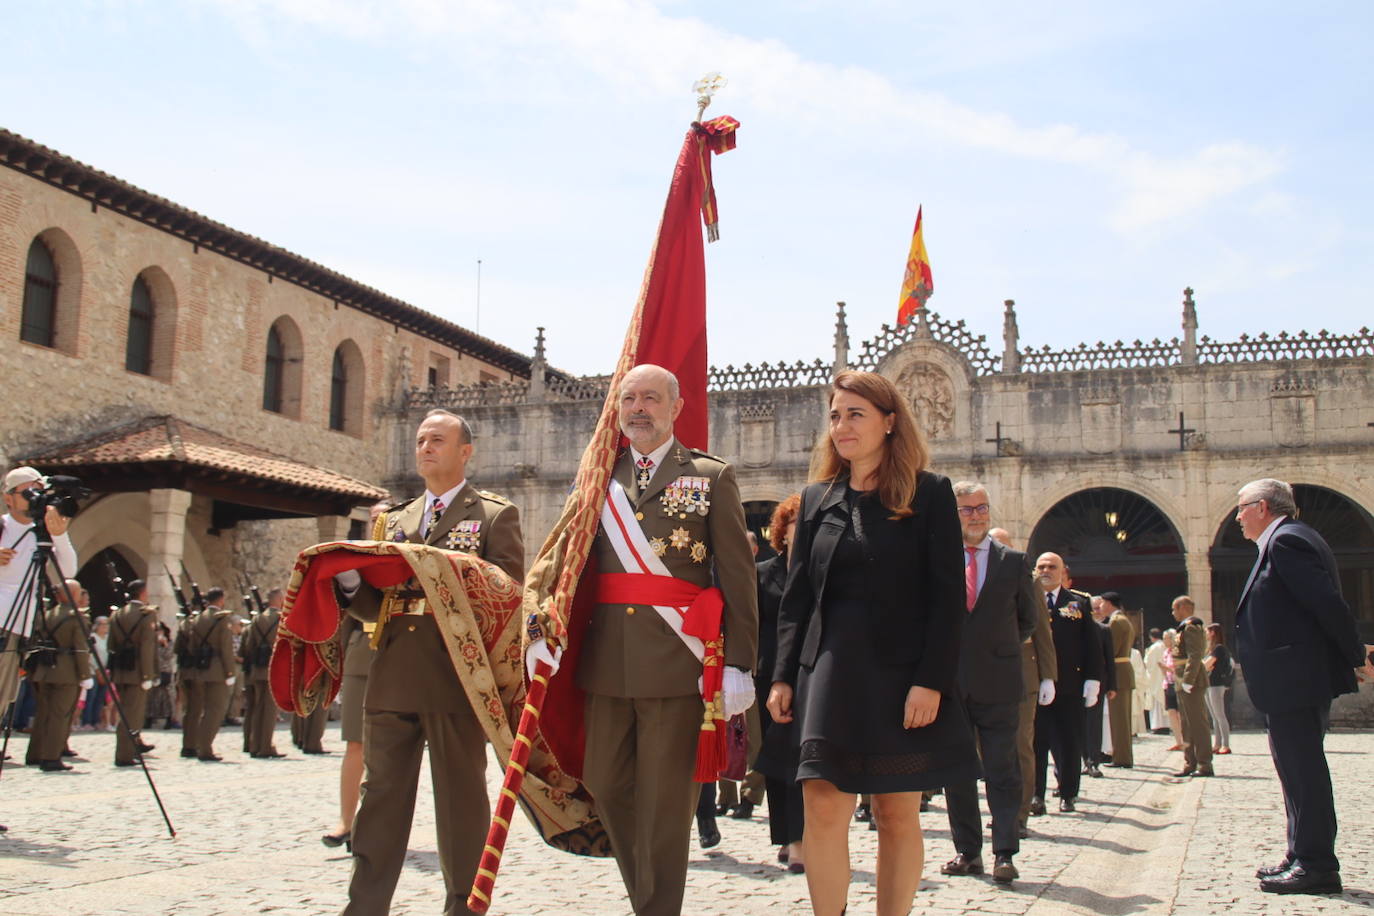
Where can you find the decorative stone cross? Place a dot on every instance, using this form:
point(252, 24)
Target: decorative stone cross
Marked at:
point(1183, 432)
point(999, 438)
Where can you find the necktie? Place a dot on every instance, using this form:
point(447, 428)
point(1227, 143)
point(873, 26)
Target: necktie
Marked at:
point(435, 510)
point(971, 577)
point(646, 471)
point(1049, 601)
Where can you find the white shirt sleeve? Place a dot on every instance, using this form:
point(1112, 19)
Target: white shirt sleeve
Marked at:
point(65, 554)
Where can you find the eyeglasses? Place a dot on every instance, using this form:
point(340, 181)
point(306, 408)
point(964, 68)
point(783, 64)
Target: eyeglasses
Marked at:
point(970, 511)
point(1253, 502)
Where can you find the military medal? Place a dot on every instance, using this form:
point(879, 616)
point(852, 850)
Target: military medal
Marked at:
point(465, 536)
point(658, 546)
point(679, 539)
point(698, 552)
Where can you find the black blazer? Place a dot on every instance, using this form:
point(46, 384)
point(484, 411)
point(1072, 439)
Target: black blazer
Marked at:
point(1295, 636)
point(772, 574)
point(917, 588)
point(1001, 619)
point(1075, 640)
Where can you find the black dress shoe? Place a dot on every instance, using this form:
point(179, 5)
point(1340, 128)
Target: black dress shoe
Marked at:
point(863, 814)
point(1004, 871)
point(188, 752)
point(722, 810)
point(962, 865)
point(1203, 771)
point(1270, 871)
point(53, 766)
point(1094, 771)
point(707, 832)
point(126, 763)
point(743, 811)
point(1298, 880)
point(145, 748)
point(1066, 805)
point(213, 758)
point(1037, 806)
point(68, 752)
point(1186, 771)
point(271, 755)
point(318, 750)
point(1122, 766)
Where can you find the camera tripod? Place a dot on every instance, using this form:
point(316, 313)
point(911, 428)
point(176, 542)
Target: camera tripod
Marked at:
point(26, 601)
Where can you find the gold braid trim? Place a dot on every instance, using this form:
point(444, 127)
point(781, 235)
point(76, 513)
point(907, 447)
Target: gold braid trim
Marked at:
point(388, 607)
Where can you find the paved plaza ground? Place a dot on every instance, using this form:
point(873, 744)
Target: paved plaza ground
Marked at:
point(92, 841)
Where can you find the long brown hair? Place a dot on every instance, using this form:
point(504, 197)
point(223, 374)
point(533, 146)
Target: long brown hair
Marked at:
point(905, 453)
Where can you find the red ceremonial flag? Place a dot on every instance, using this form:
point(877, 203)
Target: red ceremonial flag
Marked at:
point(917, 283)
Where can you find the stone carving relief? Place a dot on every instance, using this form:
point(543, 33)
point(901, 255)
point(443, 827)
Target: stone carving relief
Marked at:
point(1292, 411)
point(932, 396)
point(756, 434)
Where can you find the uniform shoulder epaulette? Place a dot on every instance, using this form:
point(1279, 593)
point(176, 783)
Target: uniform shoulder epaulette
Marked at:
point(698, 453)
point(150, 608)
point(495, 497)
point(1084, 595)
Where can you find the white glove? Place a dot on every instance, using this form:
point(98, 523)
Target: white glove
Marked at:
point(539, 652)
point(348, 581)
point(1046, 692)
point(1090, 690)
point(737, 691)
point(88, 683)
point(1186, 688)
point(229, 681)
point(148, 685)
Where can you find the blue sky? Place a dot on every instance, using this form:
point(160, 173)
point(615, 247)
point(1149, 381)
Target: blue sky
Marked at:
point(1087, 161)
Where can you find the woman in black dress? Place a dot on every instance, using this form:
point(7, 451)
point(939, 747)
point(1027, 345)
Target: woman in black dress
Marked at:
point(777, 757)
point(868, 641)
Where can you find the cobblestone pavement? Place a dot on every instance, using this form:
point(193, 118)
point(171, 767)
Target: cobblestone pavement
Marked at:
point(92, 841)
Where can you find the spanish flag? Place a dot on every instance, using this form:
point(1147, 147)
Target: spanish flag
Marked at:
point(917, 285)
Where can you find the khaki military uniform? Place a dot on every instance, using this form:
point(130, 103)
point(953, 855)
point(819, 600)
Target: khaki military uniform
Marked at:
point(208, 685)
point(260, 717)
point(414, 698)
point(56, 686)
point(1038, 662)
point(644, 709)
point(135, 626)
point(186, 676)
point(1119, 707)
point(1192, 704)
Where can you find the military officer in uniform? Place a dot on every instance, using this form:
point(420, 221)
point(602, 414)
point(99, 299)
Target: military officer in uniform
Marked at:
point(61, 670)
point(260, 721)
point(1119, 706)
point(211, 647)
point(186, 678)
point(1190, 683)
point(133, 668)
point(1059, 725)
point(644, 706)
point(413, 695)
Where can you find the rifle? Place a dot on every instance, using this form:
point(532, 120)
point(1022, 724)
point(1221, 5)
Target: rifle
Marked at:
point(176, 590)
point(197, 599)
point(257, 597)
point(117, 583)
point(243, 594)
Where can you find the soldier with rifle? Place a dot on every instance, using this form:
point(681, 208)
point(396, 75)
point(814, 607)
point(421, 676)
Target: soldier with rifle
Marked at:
point(261, 715)
point(211, 650)
point(133, 667)
point(60, 662)
point(186, 674)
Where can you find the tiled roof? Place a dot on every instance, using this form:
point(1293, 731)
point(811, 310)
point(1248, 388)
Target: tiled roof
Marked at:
point(166, 441)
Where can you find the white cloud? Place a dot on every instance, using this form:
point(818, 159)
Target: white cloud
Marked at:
point(632, 51)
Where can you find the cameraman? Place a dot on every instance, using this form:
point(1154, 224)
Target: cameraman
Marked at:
point(17, 543)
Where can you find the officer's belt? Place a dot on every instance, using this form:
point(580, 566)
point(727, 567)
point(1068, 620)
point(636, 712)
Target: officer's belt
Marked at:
point(1122, 658)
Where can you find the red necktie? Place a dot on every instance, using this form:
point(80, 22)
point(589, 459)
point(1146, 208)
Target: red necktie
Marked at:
point(971, 577)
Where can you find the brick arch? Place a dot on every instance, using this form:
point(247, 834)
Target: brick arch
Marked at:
point(165, 306)
point(354, 392)
point(67, 261)
point(293, 355)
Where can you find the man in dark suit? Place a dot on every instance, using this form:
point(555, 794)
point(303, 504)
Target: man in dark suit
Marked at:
point(1092, 741)
point(1002, 610)
point(1298, 647)
point(1059, 726)
point(414, 697)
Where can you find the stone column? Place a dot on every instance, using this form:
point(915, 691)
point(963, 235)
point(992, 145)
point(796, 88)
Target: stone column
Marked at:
point(1200, 581)
point(332, 527)
point(166, 547)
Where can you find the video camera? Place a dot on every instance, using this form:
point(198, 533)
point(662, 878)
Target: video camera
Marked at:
point(62, 493)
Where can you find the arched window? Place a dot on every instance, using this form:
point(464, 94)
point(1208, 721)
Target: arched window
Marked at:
point(273, 382)
point(338, 392)
point(138, 352)
point(39, 321)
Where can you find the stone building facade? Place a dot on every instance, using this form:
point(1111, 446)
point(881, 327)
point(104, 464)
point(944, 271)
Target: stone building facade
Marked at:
point(1125, 458)
point(141, 341)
